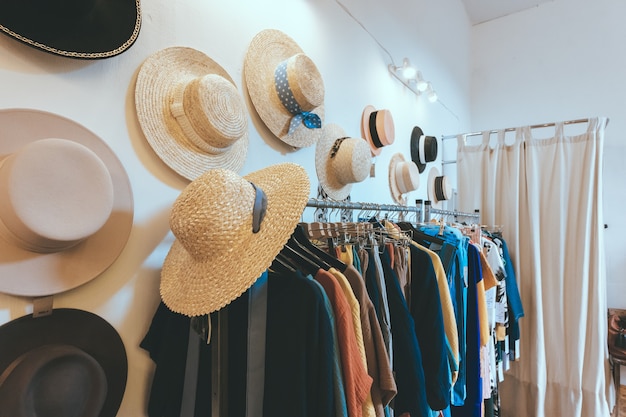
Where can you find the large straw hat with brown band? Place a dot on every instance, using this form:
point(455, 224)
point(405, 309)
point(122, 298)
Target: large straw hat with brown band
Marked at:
point(285, 87)
point(404, 177)
point(66, 205)
point(228, 231)
point(83, 29)
point(191, 112)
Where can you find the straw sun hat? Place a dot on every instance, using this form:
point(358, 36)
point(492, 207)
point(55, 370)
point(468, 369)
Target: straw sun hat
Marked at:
point(377, 128)
point(423, 148)
point(191, 112)
point(404, 177)
point(285, 87)
point(66, 206)
point(439, 188)
point(340, 161)
point(68, 363)
point(228, 231)
point(85, 29)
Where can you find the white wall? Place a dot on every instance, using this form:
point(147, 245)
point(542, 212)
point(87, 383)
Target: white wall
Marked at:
point(562, 60)
point(100, 95)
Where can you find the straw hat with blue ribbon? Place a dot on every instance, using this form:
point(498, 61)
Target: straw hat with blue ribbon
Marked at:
point(285, 87)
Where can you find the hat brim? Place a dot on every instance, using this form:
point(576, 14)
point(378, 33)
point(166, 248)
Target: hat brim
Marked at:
point(396, 194)
point(107, 31)
point(416, 134)
point(36, 274)
point(81, 329)
point(365, 129)
point(195, 288)
point(334, 189)
point(266, 50)
point(160, 73)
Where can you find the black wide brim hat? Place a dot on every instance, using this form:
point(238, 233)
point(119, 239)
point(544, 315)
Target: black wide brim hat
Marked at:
point(428, 145)
point(43, 360)
point(84, 29)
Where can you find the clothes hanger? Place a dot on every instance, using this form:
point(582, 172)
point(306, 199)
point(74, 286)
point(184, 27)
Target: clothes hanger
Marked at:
point(418, 235)
point(300, 240)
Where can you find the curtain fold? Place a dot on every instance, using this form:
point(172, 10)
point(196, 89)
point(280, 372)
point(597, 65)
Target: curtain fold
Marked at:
point(547, 196)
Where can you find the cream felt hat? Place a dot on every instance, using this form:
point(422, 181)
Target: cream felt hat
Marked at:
point(228, 231)
point(404, 177)
point(285, 87)
point(66, 206)
point(68, 363)
point(377, 128)
point(439, 188)
point(191, 112)
point(340, 161)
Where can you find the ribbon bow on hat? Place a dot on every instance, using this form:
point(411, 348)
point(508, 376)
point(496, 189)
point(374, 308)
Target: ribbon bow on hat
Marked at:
point(286, 95)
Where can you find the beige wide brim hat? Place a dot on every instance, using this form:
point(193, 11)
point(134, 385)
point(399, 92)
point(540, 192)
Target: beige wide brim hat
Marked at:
point(28, 273)
point(350, 164)
point(403, 178)
point(437, 196)
point(266, 50)
point(158, 80)
point(216, 255)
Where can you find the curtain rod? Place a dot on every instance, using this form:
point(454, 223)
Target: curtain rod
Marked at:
point(511, 129)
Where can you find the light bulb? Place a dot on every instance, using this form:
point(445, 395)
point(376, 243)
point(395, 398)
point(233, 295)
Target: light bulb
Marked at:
point(421, 84)
point(408, 71)
point(432, 96)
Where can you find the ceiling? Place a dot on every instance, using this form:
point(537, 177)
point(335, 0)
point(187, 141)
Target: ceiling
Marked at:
point(480, 11)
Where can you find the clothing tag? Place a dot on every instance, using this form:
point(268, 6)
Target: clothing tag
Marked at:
point(435, 247)
point(372, 170)
point(42, 306)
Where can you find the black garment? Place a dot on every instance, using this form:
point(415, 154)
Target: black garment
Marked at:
point(299, 349)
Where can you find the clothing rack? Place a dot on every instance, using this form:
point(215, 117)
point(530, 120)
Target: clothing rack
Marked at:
point(422, 208)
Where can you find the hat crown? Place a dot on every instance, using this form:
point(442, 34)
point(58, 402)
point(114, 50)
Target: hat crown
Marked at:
point(54, 193)
point(352, 161)
point(407, 176)
point(213, 214)
point(385, 128)
point(305, 81)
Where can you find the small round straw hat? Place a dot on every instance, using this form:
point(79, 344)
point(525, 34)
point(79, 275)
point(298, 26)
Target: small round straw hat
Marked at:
point(377, 128)
point(83, 29)
point(340, 161)
point(66, 206)
point(439, 188)
point(423, 148)
point(404, 177)
point(68, 363)
point(191, 112)
point(228, 231)
point(285, 87)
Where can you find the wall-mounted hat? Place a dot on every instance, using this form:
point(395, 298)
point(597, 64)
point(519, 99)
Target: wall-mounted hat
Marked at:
point(228, 231)
point(285, 87)
point(69, 363)
point(84, 29)
point(340, 161)
point(404, 177)
point(66, 206)
point(191, 112)
point(377, 128)
point(439, 188)
point(423, 148)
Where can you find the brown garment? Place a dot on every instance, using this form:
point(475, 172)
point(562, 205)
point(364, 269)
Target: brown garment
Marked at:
point(378, 366)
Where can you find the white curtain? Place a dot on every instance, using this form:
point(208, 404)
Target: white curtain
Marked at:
point(547, 196)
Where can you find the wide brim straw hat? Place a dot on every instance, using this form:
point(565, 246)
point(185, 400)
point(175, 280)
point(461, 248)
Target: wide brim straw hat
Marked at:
point(423, 148)
point(69, 362)
point(377, 128)
point(403, 178)
point(211, 129)
point(47, 197)
point(82, 29)
point(439, 188)
point(217, 255)
point(340, 161)
point(265, 52)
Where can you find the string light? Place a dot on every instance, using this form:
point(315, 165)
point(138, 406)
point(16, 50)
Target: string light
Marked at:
point(413, 79)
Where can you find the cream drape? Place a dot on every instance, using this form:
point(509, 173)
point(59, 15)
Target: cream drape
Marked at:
point(547, 196)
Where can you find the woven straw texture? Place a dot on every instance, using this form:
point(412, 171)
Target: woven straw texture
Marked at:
point(215, 110)
point(350, 165)
point(384, 127)
point(215, 256)
point(266, 50)
point(27, 273)
point(411, 179)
